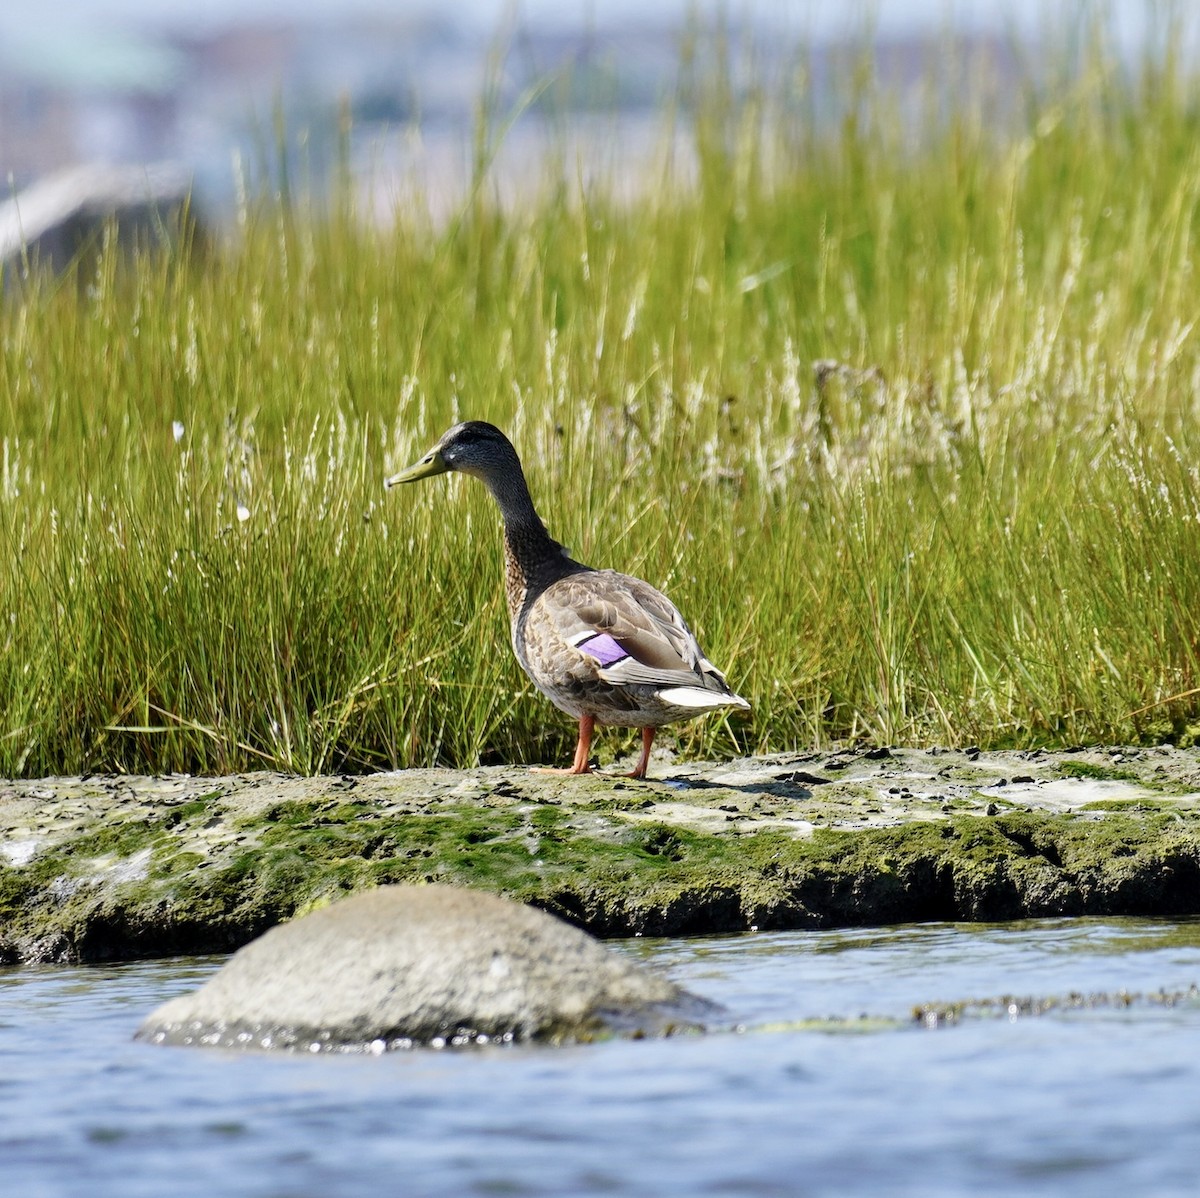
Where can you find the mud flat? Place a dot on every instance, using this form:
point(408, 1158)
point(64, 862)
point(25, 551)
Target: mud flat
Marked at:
point(108, 868)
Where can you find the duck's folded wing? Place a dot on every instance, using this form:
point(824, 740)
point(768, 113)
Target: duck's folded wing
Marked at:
point(628, 671)
point(631, 631)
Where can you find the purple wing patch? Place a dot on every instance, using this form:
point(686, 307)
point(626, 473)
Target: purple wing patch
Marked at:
point(603, 648)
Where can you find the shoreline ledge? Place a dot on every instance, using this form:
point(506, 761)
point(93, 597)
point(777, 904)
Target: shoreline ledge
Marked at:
point(112, 868)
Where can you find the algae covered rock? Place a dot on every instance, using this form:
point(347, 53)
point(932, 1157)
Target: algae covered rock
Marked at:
point(408, 965)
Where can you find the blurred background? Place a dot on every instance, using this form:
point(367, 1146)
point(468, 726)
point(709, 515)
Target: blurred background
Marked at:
point(391, 90)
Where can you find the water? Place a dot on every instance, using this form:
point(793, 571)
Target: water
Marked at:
point(1071, 1103)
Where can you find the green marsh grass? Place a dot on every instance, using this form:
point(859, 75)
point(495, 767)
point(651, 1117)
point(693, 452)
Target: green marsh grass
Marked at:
point(906, 425)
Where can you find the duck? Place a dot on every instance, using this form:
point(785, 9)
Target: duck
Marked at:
point(603, 647)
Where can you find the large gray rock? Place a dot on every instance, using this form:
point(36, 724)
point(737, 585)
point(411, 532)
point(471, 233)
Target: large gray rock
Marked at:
point(408, 965)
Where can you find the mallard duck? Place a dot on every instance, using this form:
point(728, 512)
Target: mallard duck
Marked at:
point(601, 646)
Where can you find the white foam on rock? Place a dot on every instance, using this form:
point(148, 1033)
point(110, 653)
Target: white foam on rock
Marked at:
point(19, 852)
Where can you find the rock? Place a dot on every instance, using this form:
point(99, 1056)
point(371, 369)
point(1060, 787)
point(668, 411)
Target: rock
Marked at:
point(408, 965)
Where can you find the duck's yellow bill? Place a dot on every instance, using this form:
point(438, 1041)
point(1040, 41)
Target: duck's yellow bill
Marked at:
point(432, 463)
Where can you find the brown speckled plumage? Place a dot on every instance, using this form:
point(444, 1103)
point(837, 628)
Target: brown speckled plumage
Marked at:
point(604, 647)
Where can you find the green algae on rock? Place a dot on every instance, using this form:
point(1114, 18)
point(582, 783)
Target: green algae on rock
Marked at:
point(103, 869)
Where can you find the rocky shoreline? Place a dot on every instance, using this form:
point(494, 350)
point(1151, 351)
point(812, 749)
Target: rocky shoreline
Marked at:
point(109, 868)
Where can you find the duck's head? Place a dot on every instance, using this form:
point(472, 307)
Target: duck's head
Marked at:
point(473, 447)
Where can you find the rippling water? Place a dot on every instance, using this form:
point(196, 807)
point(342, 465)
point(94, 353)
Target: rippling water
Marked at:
point(1080, 1102)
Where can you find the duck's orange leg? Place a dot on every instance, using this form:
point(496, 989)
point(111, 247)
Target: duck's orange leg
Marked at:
point(587, 724)
point(639, 770)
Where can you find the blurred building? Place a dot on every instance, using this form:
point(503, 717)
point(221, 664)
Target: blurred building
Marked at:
point(72, 96)
point(393, 97)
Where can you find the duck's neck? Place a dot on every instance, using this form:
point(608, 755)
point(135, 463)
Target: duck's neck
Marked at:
point(533, 559)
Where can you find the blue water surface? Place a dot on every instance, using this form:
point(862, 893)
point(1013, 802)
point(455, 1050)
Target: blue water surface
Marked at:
point(1093, 1101)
